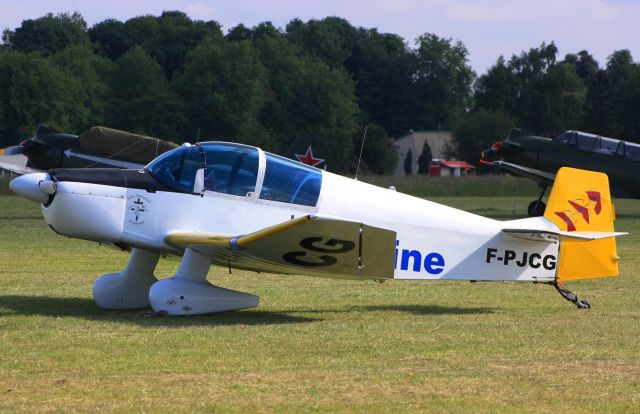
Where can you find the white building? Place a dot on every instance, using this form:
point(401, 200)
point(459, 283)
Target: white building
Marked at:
point(439, 142)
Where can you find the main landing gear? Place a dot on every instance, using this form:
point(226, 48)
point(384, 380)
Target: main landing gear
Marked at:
point(186, 293)
point(536, 207)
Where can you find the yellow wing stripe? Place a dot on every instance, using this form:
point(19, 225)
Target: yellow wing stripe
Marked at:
point(185, 238)
point(243, 241)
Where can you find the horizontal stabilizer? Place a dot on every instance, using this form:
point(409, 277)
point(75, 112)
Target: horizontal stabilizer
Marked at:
point(550, 236)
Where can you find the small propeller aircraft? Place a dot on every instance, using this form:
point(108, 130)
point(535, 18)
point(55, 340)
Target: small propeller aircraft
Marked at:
point(539, 159)
point(240, 207)
point(96, 147)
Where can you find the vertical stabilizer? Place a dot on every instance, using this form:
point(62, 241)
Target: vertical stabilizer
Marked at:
point(580, 201)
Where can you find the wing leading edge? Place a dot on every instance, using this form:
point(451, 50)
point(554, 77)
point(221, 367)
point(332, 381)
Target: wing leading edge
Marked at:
point(531, 173)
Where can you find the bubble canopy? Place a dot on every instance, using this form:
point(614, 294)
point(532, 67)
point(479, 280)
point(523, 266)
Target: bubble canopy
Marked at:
point(237, 170)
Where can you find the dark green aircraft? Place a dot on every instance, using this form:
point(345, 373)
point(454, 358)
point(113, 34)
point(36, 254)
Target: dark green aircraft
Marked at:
point(96, 147)
point(540, 158)
point(100, 147)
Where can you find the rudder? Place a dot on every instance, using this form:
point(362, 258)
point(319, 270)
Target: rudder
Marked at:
point(580, 201)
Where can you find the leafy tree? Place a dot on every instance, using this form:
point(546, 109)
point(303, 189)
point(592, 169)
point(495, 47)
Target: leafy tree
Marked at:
point(442, 79)
point(478, 130)
point(141, 100)
point(425, 159)
point(306, 95)
point(167, 38)
point(530, 69)
point(586, 66)
point(379, 153)
point(88, 81)
point(498, 89)
point(331, 39)
point(408, 163)
point(381, 65)
point(564, 99)
point(544, 96)
point(622, 95)
point(239, 33)
point(110, 38)
point(33, 91)
point(47, 34)
point(223, 84)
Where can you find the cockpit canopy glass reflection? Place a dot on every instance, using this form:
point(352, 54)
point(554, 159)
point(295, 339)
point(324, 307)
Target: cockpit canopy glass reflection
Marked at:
point(233, 169)
point(288, 181)
point(602, 145)
point(177, 168)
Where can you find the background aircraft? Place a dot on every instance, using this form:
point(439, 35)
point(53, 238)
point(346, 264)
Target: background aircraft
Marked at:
point(101, 147)
point(240, 207)
point(540, 158)
point(97, 147)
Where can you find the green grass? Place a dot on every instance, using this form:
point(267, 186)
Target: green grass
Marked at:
point(4, 185)
point(313, 345)
point(471, 186)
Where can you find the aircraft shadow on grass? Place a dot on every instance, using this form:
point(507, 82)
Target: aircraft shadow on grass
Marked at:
point(429, 309)
point(413, 309)
point(86, 308)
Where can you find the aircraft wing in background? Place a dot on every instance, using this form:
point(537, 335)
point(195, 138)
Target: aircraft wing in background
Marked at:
point(531, 173)
point(16, 164)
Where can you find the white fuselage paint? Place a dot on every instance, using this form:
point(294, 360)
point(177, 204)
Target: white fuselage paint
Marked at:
point(433, 241)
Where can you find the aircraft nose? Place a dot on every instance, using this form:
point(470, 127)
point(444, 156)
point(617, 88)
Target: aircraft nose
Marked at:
point(492, 153)
point(35, 187)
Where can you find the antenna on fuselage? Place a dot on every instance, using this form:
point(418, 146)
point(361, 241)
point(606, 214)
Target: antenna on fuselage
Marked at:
point(361, 148)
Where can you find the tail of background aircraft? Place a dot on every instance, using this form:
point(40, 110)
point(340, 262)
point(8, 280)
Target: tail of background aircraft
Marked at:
point(580, 202)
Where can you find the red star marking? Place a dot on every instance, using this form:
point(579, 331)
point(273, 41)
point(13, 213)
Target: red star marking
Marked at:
point(308, 158)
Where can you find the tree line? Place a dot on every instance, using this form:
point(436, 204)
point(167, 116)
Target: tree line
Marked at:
point(176, 78)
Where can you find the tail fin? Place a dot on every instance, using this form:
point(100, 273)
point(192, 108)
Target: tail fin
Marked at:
point(580, 201)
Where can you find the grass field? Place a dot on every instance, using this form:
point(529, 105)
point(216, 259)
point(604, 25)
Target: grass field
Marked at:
point(313, 345)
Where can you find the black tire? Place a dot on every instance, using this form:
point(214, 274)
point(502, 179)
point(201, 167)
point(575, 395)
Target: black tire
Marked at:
point(536, 208)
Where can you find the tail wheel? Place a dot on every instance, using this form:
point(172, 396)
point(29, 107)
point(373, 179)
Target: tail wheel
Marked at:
point(536, 208)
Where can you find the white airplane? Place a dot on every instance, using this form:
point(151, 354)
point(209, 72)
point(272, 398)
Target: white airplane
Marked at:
point(240, 207)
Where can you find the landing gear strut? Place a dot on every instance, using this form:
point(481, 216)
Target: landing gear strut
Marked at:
point(571, 297)
point(536, 207)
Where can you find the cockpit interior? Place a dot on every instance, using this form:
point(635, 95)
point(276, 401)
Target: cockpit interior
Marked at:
point(237, 170)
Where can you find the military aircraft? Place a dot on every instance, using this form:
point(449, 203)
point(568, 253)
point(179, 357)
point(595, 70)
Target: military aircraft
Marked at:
point(539, 158)
point(240, 207)
point(96, 147)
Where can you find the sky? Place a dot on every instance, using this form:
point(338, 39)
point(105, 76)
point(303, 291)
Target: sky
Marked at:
point(488, 28)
